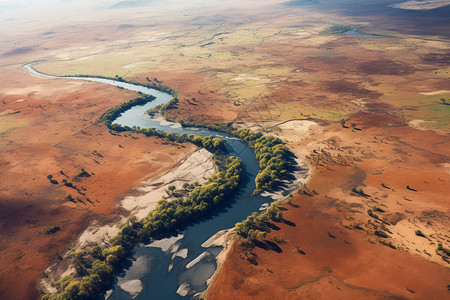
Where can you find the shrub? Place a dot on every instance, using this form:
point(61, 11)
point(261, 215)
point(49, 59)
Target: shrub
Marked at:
point(420, 233)
point(51, 230)
point(381, 234)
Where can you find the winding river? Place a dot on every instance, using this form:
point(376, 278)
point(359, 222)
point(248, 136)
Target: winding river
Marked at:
point(184, 265)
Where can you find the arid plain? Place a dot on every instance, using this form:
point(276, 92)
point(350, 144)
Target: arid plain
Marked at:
point(363, 111)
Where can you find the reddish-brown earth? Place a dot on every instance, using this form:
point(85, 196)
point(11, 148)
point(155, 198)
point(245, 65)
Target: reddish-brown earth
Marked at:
point(343, 257)
point(338, 263)
point(60, 133)
point(46, 126)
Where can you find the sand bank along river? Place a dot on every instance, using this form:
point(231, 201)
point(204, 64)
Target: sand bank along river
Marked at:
point(179, 267)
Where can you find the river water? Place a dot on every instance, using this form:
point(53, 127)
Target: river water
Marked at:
point(157, 273)
point(157, 281)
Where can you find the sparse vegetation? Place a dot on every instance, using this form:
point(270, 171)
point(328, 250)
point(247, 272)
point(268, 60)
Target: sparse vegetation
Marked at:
point(354, 127)
point(410, 188)
point(68, 183)
point(96, 268)
point(385, 186)
point(420, 233)
point(300, 251)
point(357, 226)
point(443, 249)
point(375, 208)
point(51, 230)
point(82, 173)
point(360, 192)
point(53, 181)
point(381, 234)
point(370, 213)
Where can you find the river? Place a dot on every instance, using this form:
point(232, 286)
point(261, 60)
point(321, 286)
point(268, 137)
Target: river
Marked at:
point(158, 274)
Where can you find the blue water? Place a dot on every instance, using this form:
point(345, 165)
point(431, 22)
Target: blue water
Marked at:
point(356, 32)
point(158, 282)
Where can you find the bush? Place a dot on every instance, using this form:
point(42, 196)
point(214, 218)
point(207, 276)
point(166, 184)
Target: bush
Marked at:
point(51, 230)
point(420, 233)
point(445, 250)
point(359, 191)
point(381, 234)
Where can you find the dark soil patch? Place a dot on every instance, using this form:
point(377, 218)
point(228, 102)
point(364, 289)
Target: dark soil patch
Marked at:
point(385, 67)
point(350, 88)
point(374, 119)
point(440, 59)
point(18, 51)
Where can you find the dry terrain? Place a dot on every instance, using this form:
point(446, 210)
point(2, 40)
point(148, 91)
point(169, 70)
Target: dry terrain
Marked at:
point(52, 130)
point(364, 112)
point(329, 248)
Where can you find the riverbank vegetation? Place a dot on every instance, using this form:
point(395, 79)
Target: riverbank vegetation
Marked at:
point(273, 157)
point(115, 112)
point(96, 267)
point(258, 224)
point(153, 85)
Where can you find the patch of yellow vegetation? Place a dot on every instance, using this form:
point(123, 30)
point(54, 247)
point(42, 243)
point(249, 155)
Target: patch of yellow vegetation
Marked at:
point(298, 111)
point(7, 112)
point(280, 73)
point(8, 122)
point(245, 91)
point(434, 113)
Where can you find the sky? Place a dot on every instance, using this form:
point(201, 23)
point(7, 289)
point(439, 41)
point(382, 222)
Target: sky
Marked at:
point(16, 15)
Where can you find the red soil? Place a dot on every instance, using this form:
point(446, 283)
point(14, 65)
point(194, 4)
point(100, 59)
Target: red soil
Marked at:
point(60, 134)
point(338, 263)
point(344, 259)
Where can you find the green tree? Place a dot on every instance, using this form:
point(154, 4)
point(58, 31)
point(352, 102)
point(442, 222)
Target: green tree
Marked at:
point(171, 188)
